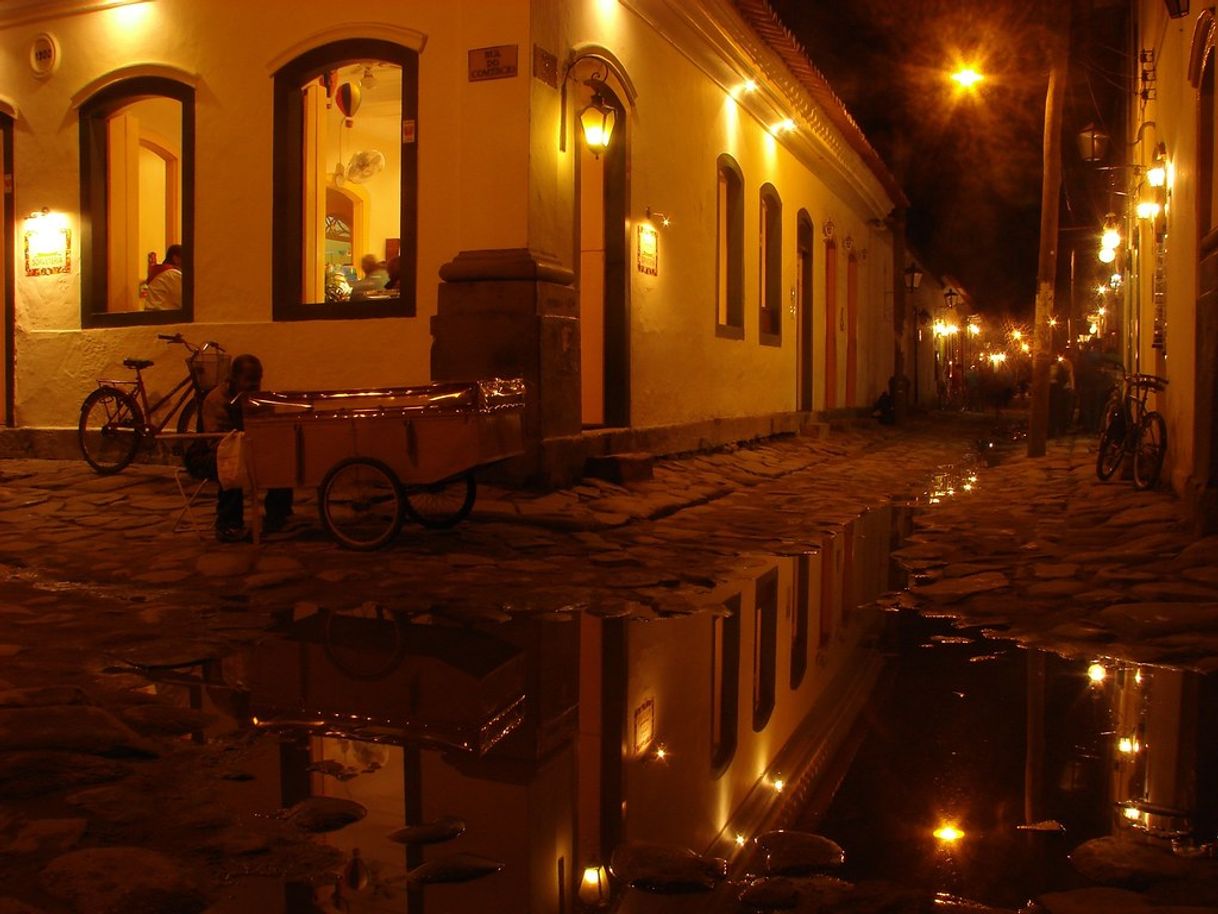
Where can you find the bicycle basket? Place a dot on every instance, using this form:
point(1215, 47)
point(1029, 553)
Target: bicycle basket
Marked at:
point(208, 367)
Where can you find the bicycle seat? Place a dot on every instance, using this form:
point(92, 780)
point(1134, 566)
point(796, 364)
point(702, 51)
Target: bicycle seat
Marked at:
point(137, 364)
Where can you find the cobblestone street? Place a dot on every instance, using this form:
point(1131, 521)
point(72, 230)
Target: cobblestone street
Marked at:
point(106, 802)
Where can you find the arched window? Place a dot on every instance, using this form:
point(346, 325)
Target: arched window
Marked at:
point(345, 182)
point(137, 203)
point(800, 616)
point(725, 685)
point(770, 267)
point(765, 648)
point(729, 250)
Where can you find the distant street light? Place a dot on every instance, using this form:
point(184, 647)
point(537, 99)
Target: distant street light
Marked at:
point(950, 297)
point(913, 277)
point(967, 77)
point(1092, 143)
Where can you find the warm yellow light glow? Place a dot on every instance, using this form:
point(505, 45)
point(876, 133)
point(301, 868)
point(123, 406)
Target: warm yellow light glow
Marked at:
point(597, 120)
point(1128, 745)
point(779, 785)
point(1017, 335)
point(948, 832)
point(1131, 813)
point(1053, 322)
point(1107, 255)
point(1097, 672)
point(974, 329)
point(1156, 175)
point(1148, 209)
point(1025, 347)
point(1111, 238)
point(1101, 289)
point(739, 840)
point(132, 15)
point(998, 357)
point(967, 77)
point(1101, 311)
point(786, 125)
point(594, 887)
point(661, 753)
point(1093, 329)
point(1137, 677)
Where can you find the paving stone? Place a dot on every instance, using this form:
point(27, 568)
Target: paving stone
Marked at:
point(42, 836)
point(1057, 588)
point(71, 729)
point(952, 589)
point(110, 880)
point(1054, 571)
point(32, 774)
point(1125, 861)
point(227, 562)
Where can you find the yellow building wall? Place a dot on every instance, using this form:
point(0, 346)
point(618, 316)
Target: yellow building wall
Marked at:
point(473, 182)
point(1174, 113)
point(683, 118)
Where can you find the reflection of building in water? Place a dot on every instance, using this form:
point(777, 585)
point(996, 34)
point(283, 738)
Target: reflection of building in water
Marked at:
point(1164, 752)
point(555, 741)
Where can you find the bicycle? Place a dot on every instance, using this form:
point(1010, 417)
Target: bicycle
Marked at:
point(116, 418)
point(1130, 429)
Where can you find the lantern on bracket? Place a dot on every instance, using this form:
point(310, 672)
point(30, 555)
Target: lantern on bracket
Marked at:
point(1093, 143)
point(597, 120)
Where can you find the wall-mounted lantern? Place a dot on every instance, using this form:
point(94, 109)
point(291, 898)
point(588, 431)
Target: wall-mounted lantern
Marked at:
point(950, 296)
point(913, 277)
point(594, 886)
point(597, 120)
point(1093, 143)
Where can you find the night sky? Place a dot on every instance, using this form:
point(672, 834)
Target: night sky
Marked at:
point(971, 166)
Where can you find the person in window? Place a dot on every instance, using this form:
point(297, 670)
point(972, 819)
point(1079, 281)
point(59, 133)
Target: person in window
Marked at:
point(165, 282)
point(222, 413)
point(376, 278)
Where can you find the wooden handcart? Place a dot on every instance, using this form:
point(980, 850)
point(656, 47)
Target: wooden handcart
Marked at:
point(379, 456)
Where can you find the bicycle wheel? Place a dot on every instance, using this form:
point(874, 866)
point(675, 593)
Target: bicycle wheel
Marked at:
point(1150, 451)
point(1112, 444)
point(110, 430)
point(441, 505)
point(360, 503)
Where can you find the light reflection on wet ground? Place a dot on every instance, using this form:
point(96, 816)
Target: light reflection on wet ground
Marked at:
point(792, 702)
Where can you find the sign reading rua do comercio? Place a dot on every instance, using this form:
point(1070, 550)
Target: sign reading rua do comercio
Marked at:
point(493, 63)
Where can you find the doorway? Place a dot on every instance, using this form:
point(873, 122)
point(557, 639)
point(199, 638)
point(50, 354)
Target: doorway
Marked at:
point(603, 294)
point(7, 357)
point(1206, 470)
point(852, 330)
point(803, 299)
point(830, 324)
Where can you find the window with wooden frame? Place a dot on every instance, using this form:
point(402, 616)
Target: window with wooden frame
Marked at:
point(769, 267)
point(729, 250)
point(346, 182)
point(137, 203)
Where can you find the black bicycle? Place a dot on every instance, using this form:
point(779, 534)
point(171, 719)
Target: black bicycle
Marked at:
point(1130, 429)
point(116, 418)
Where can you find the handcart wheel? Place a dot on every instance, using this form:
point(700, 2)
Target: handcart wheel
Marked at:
point(442, 504)
point(360, 503)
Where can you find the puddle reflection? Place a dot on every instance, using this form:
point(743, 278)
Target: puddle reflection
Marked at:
point(508, 760)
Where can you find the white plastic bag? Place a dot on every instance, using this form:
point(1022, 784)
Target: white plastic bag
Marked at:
point(231, 468)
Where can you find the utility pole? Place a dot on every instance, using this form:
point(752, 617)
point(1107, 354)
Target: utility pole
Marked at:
point(1057, 15)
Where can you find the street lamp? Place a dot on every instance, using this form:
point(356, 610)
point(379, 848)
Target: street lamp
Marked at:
point(1093, 143)
point(597, 120)
point(967, 77)
point(913, 277)
point(950, 296)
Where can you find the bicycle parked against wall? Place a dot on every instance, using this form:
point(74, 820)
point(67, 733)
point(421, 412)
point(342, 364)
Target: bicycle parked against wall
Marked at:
point(1130, 429)
point(116, 418)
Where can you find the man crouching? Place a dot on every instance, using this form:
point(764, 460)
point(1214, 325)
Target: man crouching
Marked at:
point(222, 413)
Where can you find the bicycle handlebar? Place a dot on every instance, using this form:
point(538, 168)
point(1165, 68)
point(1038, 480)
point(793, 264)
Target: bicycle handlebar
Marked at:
point(170, 337)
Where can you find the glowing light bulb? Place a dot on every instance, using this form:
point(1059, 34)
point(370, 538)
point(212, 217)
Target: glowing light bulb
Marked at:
point(1148, 209)
point(1107, 255)
point(739, 840)
point(948, 833)
point(967, 77)
point(1097, 672)
point(1156, 175)
point(779, 785)
point(1132, 813)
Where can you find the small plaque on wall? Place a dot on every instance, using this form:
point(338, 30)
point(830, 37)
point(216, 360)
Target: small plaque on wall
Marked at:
point(48, 251)
point(649, 250)
point(493, 63)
